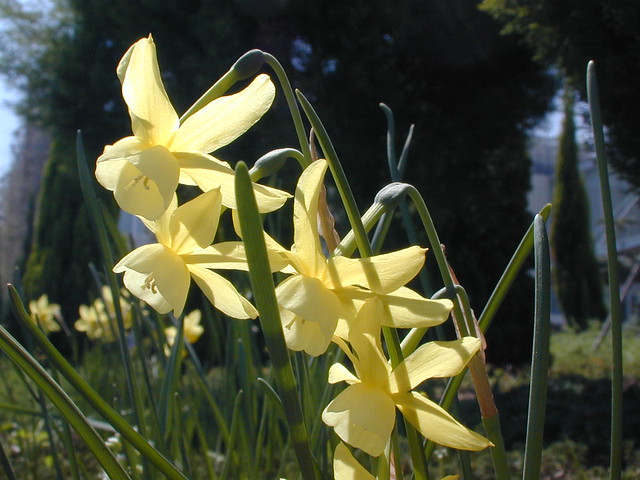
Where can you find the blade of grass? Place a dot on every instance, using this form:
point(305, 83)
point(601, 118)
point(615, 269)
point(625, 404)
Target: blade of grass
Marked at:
point(612, 266)
point(90, 395)
point(540, 354)
point(264, 292)
point(63, 403)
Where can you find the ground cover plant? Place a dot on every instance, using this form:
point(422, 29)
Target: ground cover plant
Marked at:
point(287, 319)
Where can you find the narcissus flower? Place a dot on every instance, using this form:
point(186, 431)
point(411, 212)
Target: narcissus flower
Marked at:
point(363, 415)
point(191, 328)
point(144, 170)
point(346, 467)
point(323, 290)
point(45, 313)
point(98, 320)
point(160, 273)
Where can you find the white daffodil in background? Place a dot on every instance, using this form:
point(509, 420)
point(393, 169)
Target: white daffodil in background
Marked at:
point(323, 290)
point(144, 170)
point(160, 273)
point(45, 313)
point(363, 415)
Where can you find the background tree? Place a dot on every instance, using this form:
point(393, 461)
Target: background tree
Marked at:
point(575, 271)
point(441, 65)
point(566, 34)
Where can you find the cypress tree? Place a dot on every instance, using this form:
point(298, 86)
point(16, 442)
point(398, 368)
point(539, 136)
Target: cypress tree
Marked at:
point(576, 270)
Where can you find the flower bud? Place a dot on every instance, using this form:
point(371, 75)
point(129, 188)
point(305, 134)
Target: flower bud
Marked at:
point(391, 195)
point(271, 162)
point(248, 64)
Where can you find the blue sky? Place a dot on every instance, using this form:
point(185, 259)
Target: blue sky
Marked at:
point(8, 124)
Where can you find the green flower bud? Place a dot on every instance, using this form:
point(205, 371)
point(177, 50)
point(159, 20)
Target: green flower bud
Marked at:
point(248, 64)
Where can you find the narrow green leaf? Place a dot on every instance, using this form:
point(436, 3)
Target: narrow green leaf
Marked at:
point(63, 403)
point(540, 353)
point(614, 282)
point(266, 303)
point(90, 395)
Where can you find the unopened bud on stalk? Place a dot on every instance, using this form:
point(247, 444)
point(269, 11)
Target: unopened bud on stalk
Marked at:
point(248, 64)
point(271, 162)
point(391, 195)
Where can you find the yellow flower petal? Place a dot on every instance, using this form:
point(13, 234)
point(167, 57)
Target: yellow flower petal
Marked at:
point(363, 417)
point(225, 118)
point(193, 225)
point(300, 335)
point(433, 360)
point(114, 158)
point(346, 467)
point(147, 182)
point(381, 274)
point(208, 174)
point(408, 309)
point(222, 294)
point(308, 298)
point(155, 274)
point(306, 243)
point(153, 118)
point(434, 423)
point(340, 373)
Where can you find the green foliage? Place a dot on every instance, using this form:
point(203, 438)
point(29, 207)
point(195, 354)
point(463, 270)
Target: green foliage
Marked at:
point(576, 270)
point(567, 34)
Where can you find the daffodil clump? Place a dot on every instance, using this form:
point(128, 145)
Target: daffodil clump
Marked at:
point(326, 301)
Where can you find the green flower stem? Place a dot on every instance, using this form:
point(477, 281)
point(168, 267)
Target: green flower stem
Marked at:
point(612, 264)
point(265, 298)
point(540, 354)
point(292, 104)
point(90, 395)
point(63, 403)
point(91, 203)
point(348, 244)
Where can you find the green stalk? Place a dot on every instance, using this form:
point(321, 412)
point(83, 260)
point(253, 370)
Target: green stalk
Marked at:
point(612, 265)
point(540, 354)
point(292, 104)
point(265, 298)
point(63, 403)
point(90, 395)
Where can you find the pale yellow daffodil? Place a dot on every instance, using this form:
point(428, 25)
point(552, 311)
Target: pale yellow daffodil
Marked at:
point(191, 328)
point(45, 313)
point(160, 273)
point(363, 415)
point(324, 290)
point(98, 320)
point(144, 170)
point(346, 467)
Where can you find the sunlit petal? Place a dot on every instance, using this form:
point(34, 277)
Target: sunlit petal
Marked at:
point(147, 182)
point(193, 225)
point(153, 118)
point(406, 308)
point(381, 274)
point(208, 175)
point(156, 275)
point(434, 423)
point(222, 294)
point(306, 243)
point(300, 335)
point(225, 118)
point(433, 360)
point(340, 373)
point(308, 298)
point(363, 417)
point(346, 467)
point(114, 157)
